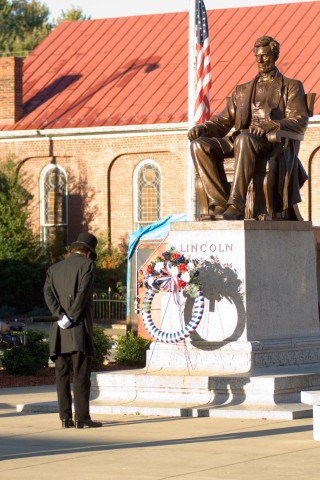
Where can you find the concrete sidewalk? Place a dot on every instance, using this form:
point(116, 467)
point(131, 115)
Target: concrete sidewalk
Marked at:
point(34, 446)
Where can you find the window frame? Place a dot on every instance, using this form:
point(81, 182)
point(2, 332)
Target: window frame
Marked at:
point(140, 223)
point(44, 227)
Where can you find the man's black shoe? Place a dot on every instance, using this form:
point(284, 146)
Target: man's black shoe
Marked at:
point(67, 423)
point(87, 424)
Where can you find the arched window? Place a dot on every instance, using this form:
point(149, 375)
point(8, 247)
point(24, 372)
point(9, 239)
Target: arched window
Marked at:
point(54, 208)
point(147, 187)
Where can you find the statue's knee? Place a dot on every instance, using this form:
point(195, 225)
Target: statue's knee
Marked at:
point(242, 139)
point(198, 149)
point(195, 144)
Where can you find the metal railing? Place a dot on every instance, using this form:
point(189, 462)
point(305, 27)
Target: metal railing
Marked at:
point(109, 306)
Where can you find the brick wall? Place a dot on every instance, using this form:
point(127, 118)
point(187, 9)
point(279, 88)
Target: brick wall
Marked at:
point(310, 192)
point(100, 175)
point(10, 90)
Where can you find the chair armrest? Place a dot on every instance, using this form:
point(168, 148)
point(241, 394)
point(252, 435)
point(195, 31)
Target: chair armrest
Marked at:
point(277, 135)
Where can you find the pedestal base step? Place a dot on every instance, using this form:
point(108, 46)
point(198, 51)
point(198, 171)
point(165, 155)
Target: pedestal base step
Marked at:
point(277, 412)
point(268, 395)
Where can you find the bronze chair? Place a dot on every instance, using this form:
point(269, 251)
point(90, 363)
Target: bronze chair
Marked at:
point(260, 199)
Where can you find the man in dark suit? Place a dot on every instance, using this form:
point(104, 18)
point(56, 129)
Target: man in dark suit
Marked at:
point(268, 103)
point(68, 293)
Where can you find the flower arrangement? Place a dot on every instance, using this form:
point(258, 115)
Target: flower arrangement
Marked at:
point(173, 272)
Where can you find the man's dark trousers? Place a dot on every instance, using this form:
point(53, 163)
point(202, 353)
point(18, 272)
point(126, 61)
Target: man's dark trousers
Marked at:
point(80, 365)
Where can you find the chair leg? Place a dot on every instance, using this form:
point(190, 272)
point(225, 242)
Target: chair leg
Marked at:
point(294, 213)
point(268, 187)
point(201, 196)
point(259, 206)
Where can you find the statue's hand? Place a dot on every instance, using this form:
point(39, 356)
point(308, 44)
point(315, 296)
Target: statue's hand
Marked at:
point(262, 128)
point(196, 132)
point(257, 130)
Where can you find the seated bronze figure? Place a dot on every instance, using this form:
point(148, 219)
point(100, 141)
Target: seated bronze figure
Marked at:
point(268, 117)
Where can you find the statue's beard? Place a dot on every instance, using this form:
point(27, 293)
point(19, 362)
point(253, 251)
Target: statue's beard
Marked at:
point(267, 70)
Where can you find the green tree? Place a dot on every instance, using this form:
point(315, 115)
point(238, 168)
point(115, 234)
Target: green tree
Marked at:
point(17, 240)
point(22, 264)
point(25, 23)
point(111, 264)
point(74, 13)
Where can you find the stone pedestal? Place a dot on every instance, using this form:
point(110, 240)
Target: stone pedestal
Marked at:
point(261, 301)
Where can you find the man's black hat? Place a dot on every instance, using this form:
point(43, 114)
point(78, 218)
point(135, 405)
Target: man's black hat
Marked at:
point(88, 241)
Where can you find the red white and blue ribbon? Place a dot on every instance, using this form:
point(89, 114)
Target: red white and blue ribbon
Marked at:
point(174, 337)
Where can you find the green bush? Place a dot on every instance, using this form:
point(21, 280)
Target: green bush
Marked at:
point(131, 350)
point(101, 345)
point(29, 358)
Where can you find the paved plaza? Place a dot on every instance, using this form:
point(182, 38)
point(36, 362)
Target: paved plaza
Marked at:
point(34, 446)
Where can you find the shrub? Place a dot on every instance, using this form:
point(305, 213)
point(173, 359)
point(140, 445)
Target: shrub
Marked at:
point(101, 345)
point(29, 358)
point(131, 350)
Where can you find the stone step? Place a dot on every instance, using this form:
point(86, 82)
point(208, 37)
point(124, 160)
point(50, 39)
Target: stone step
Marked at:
point(276, 412)
point(190, 394)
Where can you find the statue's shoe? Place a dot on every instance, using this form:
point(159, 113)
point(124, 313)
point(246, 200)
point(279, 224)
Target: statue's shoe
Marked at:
point(233, 213)
point(218, 211)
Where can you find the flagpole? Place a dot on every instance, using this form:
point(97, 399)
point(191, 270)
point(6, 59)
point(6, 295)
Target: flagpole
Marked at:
point(191, 196)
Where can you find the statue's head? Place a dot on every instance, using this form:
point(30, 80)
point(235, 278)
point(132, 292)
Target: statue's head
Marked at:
point(267, 51)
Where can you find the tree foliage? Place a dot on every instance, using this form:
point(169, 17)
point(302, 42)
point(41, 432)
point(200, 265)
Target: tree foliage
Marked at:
point(73, 14)
point(111, 264)
point(25, 23)
point(22, 264)
point(17, 240)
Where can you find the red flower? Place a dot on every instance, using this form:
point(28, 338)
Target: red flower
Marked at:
point(181, 283)
point(149, 269)
point(175, 256)
point(182, 267)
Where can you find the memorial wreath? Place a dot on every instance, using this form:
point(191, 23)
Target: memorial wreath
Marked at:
point(172, 272)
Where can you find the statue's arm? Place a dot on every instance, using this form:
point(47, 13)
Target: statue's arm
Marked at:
point(218, 126)
point(296, 115)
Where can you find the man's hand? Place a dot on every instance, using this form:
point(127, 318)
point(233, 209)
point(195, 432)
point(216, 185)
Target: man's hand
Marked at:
point(65, 322)
point(197, 131)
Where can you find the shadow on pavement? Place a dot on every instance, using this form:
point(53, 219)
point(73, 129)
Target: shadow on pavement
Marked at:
point(30, 446)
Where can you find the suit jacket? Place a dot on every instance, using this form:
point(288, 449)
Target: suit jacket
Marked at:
point(286, 108)
point(68, 290)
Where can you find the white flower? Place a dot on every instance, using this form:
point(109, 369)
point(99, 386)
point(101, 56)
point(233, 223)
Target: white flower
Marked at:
point(191, 266)
point(174, 271)
point(159, 266)
point(150, 281)
point(185, 277)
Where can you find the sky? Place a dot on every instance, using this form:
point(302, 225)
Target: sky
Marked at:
point(121, 8)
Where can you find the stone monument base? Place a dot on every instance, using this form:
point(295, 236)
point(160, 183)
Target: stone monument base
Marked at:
point(258, 343)
point(234, 357)
point(272, 395)
point(261, 301)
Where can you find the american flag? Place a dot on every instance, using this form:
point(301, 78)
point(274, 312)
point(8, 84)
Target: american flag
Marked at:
point(203, 66)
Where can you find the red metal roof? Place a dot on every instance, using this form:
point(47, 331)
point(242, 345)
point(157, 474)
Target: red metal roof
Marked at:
point(134, 70)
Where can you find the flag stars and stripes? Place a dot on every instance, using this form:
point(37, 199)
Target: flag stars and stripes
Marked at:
point(203, 65)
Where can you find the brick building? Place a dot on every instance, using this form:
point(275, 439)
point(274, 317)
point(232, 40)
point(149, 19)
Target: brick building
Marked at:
point(97, 113)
